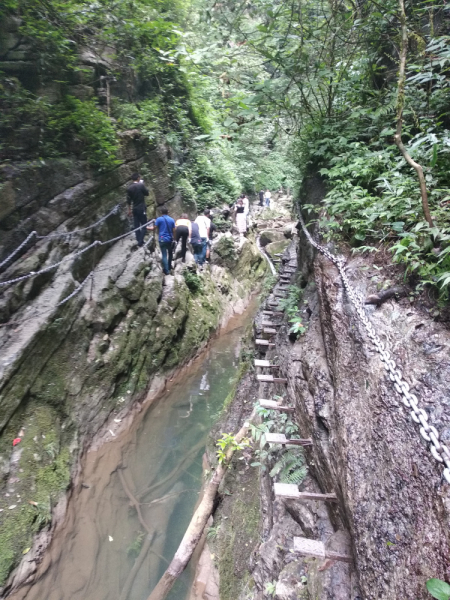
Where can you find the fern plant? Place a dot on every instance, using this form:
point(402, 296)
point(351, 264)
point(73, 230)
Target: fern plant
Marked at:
point(290, 467)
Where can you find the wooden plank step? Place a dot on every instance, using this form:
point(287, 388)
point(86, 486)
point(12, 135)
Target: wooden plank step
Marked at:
point(272, 405)
point(307, 547)
point(273, 312)
point(280, 438)
point(263, 343)
point(270, 324)
point(279, 294)
point(266, 364)
point(269, 330)
point(271, 379)
point(290, 490)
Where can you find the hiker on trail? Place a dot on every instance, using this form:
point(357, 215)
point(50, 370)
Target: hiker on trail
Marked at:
point(136, 194)
point(204, 225)
point(246, 205)
point(261, 198)
point(267, 197)
point(197, 244)
point(241, 220)
point(212, 229)
point(183, 232)
point(166, 228)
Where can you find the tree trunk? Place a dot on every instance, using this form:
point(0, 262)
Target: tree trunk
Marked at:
point(400, 104)
point(197, 525)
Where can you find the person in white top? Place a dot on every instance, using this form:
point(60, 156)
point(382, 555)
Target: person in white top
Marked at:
point(267, 197)
point(246, 204)
point(204, 225)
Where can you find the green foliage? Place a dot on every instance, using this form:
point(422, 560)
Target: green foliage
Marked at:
point(268, 285)
point(228, 443)
point(193, 281)
point(270, 588)
point(289, 465)
point(146, 116)
point(438, 589)
point(290, 305)
point(89, 126)
point(134, 548)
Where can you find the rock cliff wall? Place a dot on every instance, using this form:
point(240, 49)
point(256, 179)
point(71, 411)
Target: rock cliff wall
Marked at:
point(393, 505)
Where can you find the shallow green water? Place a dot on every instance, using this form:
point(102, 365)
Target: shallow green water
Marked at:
point(159, 459)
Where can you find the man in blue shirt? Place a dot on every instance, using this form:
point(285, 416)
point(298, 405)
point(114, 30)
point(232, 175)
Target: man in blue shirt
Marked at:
point(166, 228)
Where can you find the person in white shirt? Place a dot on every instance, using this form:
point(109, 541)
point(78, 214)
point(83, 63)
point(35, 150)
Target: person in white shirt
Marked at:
point(204, 225)
point(267, 197)
point(246, 205)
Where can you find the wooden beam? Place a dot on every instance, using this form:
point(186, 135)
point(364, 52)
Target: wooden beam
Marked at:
point(269, 330)
point(266, 364)
point(272, 405)
point(279, 294)
point(290, 490)
point(263, 343)
point(280, 438)
point(307, 547)
point(271, 379)
point(270, 324)
point(273, 312)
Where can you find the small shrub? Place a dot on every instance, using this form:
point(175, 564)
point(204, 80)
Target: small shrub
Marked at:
point(193, 281)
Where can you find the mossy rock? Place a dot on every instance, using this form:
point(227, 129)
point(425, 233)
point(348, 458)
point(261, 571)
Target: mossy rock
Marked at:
point(276, 247)
point(267, 236)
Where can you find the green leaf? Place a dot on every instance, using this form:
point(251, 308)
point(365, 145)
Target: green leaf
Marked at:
point(438, 589)
point(434, 159)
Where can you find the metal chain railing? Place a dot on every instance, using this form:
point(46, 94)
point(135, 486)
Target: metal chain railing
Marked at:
point(62, 234)
point(428, 432)
point(73, 256)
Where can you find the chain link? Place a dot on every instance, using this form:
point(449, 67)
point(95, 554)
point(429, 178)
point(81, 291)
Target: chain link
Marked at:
point(439, 451)
point(73, 256)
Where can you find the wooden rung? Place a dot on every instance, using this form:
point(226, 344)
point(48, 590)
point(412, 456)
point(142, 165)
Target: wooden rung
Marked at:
point(266, 364)
point(279, 294)
point(269, 330)
point(290, 490)
point(272, 405)
point(280, 438)
point(307, 547)
point(279, 254)
point(271, 379)
point(273, 312)
point(263, 343)
point(270, 324)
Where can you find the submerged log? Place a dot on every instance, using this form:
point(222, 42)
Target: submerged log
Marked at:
point(197, 525)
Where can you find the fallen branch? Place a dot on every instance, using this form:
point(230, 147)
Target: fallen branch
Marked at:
point(197, 525)
point(174, 473)
point(400, 105)
point(134, 502)
point(137, 565)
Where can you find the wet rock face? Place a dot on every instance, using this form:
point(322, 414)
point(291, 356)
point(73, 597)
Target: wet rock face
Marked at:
point(392, 497)
point(97, 354)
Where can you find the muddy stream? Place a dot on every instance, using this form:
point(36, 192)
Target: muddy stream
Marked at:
point(96, 547)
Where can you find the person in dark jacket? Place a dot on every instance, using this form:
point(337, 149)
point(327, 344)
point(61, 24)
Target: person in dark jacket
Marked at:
point(261, 198)
point(183, 231)
point(197, 243)
point(136, 194)
point(212, 229)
